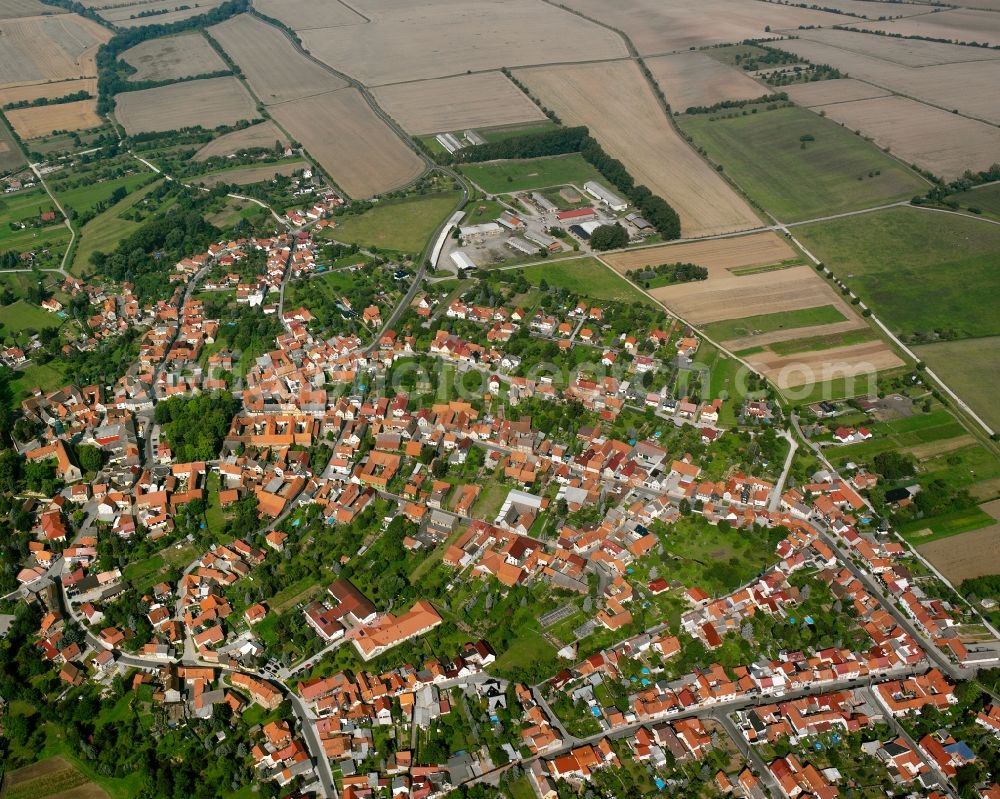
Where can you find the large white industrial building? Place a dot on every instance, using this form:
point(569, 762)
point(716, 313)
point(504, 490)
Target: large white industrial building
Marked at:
point(604, 195)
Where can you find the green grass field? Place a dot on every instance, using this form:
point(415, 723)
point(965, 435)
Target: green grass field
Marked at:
point(769, 323)
point(21, 315)
point(501, 177)
point(48, 377)
point(919, 271)
point(524, 652)
point(911, 431)
point(104, 231)
point(401, 225)
point(945, 525)
point(83, 198)
point(986, 199)
point(834, 172)
point(23, 206)
point(479, 211)
point(587, 276)
point(813, 343)
point(971, 368)
point(20, 283)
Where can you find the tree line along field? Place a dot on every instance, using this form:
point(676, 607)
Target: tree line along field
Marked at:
point(245, 175)
point(694, 78)
point(945, 115)
point(166, 12)
point(104, 231)
point(504, 177)
point(985, 199)
point(11, 9)
point(958, 25)
point(205, 103)
point(172, 57)
point(945, 75)
point(718, 256)
point(797, 165)
point(34, 123)
point(919, 270)
point(262, 135)
point(54, 89)
point(618, 106)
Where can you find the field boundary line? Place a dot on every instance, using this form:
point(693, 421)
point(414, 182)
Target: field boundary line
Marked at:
point(903, 347)
point(366, 95)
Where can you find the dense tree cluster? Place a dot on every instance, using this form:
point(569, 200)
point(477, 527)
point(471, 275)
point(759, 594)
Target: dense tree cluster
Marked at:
point(112, 74)
point(655, 209)
point(530, 145)
point(195, 426)
point(143, 256)
point(670, 273)
point(609, 237)
point(728, 104)
point(83, 94)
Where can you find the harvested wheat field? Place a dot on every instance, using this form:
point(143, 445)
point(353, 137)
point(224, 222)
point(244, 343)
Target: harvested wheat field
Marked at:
point(350, 141)
point(261, 135)
point(276, 71)
point(967, 555)
point(173, 57)
point(438, 38)
point(969, 86)
point(58, 47)
point(902, 52)
point(872, 9)
point(825, 92)
point(246, 175)
point(33, 123)
point(616, 103)
point(694, 78)
point(307, 14)
point(718, 256)
point(825, 366)
point(728, 296)
point(942, 143)
point(33, 91)
point(663, 26)
point(11, 9)
point(488, 99)
point(206, 103)
point(168, 11)
point(953, 25)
